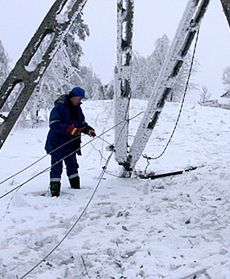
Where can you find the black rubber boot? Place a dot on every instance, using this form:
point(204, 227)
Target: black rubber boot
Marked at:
point(55, 187)
point(75, 182)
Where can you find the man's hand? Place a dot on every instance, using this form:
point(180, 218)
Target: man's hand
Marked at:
point(92, 133)
point(74, 131)
point(89, 131)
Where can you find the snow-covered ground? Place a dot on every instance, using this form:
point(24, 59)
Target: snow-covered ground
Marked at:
point(166, 228)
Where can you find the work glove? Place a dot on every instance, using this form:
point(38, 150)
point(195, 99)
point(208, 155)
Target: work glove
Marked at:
point(91, 133)
point(74, 131)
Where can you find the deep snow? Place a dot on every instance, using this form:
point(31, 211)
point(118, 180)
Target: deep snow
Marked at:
point(165, 228)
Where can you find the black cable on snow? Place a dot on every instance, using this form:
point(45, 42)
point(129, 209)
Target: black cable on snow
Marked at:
point(181, 107)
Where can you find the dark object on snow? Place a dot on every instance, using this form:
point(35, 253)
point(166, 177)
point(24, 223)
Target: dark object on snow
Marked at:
point(155, 176)
point(55, 187)
point(75, 182)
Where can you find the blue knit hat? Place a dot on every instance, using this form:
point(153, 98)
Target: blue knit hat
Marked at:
point(77, 91)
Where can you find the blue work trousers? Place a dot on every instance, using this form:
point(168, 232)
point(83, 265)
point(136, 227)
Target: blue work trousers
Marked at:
point(57, 166)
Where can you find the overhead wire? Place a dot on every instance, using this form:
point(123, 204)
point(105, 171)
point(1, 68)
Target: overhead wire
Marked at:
point(181, 107)
point(9, 203)
point(35, 162)
point(94, 192)
point(74, 224)
point(92, 196)
point(40, 159)
point(83, 211)
point(46, 169)
point(99, 151)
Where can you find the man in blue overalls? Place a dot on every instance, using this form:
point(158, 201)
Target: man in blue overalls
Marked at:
point(66, 123)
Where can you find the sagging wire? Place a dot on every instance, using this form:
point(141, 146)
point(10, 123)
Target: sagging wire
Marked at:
point(83, 211)
point(99, 151)
point(72, 227)
point(75, 223)
point(35, 162)
point(111, 174)
point(84, 264)
point(148, 158)
point(46, 169)
point(110, 147)
point(43, 157)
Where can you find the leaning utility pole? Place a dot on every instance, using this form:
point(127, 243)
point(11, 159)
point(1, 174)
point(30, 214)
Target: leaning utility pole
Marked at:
point(28, 71)
point(226, 7)
point(30, 68)
point(125, 10)
point(185, 34)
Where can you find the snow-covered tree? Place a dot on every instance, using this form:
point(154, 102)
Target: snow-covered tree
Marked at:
point(226, 77)
point(4, 67)
point(61, 75)
point(56, 81)
point(91, 83)
point(99, 92)
point(155, 61)
point(181, 80)
point(109, 90)
point(4, 71)
point(79, 31)
point(204, 95)
point(139, 77)
point(146, 70)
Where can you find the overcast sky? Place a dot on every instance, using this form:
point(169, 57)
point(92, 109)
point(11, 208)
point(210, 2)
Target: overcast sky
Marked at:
point(153, 18)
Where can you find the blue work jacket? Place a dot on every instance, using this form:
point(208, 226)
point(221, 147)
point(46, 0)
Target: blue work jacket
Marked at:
point(63, 115)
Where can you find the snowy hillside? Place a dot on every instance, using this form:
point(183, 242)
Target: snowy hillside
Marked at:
point(165, 228)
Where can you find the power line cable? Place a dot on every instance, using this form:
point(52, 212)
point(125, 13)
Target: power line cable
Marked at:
point(32, 164)
point(35, 162)
point(181, 107)
point(40, 159)
point(99, 151)
point(82, 213)
point(75, 223)
point(46, 169)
